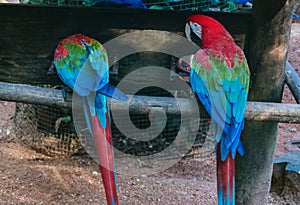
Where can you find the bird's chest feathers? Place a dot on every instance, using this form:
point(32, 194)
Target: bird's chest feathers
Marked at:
point(202, 58)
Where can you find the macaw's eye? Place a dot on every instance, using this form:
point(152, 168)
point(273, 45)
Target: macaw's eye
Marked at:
point(195, 25)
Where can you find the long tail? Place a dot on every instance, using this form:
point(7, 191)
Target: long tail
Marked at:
point(103, 143)
point(225, 179)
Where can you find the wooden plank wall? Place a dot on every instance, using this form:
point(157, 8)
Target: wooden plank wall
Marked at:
point(29, 34)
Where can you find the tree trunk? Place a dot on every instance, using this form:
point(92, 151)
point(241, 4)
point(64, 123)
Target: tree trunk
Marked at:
point(267, 59)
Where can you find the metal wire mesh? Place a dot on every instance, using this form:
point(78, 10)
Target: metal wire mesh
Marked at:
point(50, 130)
point(166, 137)
point(60, 2)
point(203, 5)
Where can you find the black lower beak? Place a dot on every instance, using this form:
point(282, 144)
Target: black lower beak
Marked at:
point(196, 39)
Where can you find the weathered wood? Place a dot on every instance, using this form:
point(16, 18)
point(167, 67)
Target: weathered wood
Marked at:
point(33, 95)
point(81, 18)
point(267, 57)
point(272, 112)
point(29, 34)
point(256, 111)
point(293, 81)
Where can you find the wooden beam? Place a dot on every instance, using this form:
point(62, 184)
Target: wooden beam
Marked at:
point(30, 34)
point(32, 95)
point(267, 58)
point(272, 112)
point(256, 111)
point(93, 19)
point(293, 81)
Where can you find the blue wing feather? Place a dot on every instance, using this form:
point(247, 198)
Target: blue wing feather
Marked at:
point(224, 97)
point(87, 73)
point(199, 87)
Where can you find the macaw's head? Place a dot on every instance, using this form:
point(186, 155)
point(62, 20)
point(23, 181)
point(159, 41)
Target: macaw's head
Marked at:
point(209, 30)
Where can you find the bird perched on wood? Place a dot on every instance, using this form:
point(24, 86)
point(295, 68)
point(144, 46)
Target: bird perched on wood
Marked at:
point(81, 54)
point(220, 76)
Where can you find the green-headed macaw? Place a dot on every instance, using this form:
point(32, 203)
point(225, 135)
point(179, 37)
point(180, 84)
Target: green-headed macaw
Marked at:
point(220, 76)
point(79, 53)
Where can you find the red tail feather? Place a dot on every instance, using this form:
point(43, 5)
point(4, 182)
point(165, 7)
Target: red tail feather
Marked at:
point(225, 179)
point(103, 142)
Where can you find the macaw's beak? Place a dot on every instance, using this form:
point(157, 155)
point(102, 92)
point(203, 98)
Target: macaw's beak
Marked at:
point(191, 36)
point(188, 32)
point(52, 69)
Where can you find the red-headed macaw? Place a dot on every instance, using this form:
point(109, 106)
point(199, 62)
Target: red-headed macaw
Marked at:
point(79, 53)
point(220, 76)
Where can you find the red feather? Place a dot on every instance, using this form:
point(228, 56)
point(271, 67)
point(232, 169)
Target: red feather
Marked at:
point(218, 40)
point(103, 143)
point(61, 50)
point(225, 177)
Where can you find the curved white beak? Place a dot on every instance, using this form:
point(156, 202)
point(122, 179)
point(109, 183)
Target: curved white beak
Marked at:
point(188, 32)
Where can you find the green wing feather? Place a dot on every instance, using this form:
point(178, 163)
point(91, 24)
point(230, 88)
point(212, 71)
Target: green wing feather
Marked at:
point(223, 92)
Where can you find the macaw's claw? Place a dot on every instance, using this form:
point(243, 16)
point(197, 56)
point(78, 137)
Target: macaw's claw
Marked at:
point(183, 66)
point(65, 90)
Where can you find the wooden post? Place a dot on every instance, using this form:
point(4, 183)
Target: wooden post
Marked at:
point(267, 58)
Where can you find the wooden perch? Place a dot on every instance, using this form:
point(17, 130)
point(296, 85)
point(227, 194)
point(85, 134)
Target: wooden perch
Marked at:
point(293, 81)
point(255, 111)
point(32, 95)
point(276, 112)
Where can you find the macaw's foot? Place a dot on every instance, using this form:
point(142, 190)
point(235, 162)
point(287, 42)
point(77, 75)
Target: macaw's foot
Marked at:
point(65, 91)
